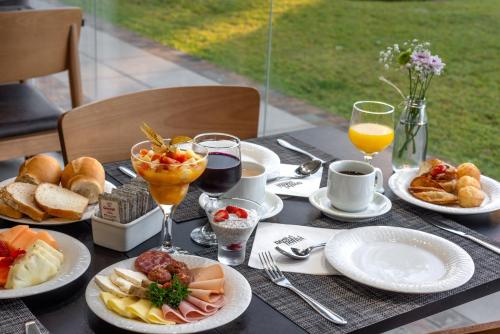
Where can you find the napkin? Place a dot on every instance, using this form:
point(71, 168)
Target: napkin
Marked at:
point(268, 235)
point(295, 187)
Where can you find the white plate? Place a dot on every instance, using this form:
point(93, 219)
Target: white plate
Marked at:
point(76, 261)
point(399, 259)
point(379, 206)
point(261, 155)
point(272, 205)
point(51, 221)
point(237, 296)
point(400, 181)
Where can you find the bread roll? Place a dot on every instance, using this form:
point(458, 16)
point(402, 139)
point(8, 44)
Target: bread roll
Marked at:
point(469, 169)
point(470, 197)
point(84, 176)
point(40, 169)
point(466, 181)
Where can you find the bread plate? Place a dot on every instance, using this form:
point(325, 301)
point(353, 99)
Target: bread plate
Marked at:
point(400, 181)
point(75, 263)
point(237, 297)
point(51, 221)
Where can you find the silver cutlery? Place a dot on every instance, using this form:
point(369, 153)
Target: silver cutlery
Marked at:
point(298, 253)
point(278, 278)
point(31, 328)
point(127, 171)
point(302, 171)
point(467, 236)
point(289, 146)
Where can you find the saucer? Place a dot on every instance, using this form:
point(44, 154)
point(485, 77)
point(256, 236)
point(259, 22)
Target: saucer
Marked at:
point(379, 205)
point(271, 207)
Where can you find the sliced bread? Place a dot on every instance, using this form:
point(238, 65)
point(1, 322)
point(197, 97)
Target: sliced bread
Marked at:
point(60, 202)
point(7, 210)
point(21, 197)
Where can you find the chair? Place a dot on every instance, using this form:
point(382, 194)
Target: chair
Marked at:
point(35, 43)
point(107, 129)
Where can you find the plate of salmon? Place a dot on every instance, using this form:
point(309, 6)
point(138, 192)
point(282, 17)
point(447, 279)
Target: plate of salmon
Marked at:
point(161, 293)
point(35, 261)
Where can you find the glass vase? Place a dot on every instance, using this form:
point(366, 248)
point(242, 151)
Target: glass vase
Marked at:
point(410, 143)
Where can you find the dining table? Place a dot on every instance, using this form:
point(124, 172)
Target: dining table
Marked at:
point(65, 310)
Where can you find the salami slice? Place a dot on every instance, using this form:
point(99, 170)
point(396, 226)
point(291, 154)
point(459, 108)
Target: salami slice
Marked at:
point(150, 259)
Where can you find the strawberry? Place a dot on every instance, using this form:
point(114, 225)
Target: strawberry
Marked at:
point(232, 208)
point(168, 160)
point(155, 157)
point(143, 151)
point(234, 247)
point(4, 249)
point(241, 213)
point(221, 215)
point(439, 169)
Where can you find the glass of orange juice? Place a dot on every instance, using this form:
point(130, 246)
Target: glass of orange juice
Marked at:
point(372, 127)
point(169, 175)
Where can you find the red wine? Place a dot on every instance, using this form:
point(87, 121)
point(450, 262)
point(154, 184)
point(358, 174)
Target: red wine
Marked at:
point(222, 173)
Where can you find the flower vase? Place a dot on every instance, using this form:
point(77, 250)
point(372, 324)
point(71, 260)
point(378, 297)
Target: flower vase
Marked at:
point(410, 143)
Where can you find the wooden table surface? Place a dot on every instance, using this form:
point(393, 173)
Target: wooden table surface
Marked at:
point(65, 310)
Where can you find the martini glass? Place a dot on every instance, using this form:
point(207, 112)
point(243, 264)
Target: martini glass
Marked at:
point(169, 182)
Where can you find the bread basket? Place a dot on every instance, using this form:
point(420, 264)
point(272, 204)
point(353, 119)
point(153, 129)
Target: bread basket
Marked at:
point(124, 237)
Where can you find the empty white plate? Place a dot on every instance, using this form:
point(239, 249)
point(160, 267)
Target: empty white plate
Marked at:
point(379, 206)
point(261, 155)
point(272, 205)
point(399, 259)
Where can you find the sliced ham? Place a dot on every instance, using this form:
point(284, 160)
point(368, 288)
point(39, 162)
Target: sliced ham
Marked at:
point(205, 306)
point(171, 314)
point(192, 313)
point(204, 295)
point(212, 285)
point(214, 271)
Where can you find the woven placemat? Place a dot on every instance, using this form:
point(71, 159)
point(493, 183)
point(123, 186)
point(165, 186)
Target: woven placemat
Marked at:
point(189, 209)
point(14, 314)
point(359, 304)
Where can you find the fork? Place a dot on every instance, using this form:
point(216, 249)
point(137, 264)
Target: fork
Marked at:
point(278, 278)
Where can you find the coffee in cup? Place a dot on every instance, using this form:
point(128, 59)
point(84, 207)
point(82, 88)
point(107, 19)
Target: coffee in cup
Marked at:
point(351, 184)
point(252, 185)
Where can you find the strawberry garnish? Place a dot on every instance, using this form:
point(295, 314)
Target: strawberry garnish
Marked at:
point(241, 213)
point(232, 208)
point(439, 169)
point(221, 215)
point(234, 247)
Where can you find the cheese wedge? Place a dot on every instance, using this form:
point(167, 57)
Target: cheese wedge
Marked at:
point(134, 277)
point(140, 309)
point(121, 283)
point(105, 284)
point(49, 252)
point(33, 268)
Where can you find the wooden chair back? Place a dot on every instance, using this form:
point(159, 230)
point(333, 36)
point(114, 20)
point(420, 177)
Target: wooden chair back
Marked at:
point(107, 129)
point(36, 43)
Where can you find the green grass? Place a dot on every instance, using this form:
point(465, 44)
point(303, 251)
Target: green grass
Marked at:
point(326, 52)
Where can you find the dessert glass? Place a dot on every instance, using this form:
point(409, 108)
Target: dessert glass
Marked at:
point(168, 183)
point(233, 232)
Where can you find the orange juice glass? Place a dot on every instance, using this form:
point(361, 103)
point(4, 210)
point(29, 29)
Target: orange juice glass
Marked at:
point(169, 182)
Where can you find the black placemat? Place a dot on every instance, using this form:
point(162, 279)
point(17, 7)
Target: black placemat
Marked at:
point(190, 209)
point(361, 305)
point(13, 316)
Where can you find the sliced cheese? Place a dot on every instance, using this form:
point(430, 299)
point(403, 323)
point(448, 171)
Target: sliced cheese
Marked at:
point(134, 277)
point(55, 256)
point(119, 305)
point(140, 309)
point(106, 296)
point(33, 268)
point(155, 316)
point(105, 284)
point(121, 283)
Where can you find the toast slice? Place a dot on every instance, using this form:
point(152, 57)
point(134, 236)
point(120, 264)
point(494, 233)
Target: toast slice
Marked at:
point(21, 197)
point(9, 211)
point(60, 202)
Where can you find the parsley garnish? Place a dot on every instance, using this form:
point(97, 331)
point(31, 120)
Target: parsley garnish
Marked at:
point(172, 295)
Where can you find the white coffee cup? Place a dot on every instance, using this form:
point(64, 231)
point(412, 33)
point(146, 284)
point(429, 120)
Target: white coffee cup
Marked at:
point(349, 192)
point(252, 185)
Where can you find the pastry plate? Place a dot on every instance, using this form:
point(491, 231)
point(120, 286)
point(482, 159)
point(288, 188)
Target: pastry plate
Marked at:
point(399, 259)
point(272, 205)
point(400, 181)
point(379, 206)
point(76, 261)
point(51, 221)
point(261, 155)
point(237, 296)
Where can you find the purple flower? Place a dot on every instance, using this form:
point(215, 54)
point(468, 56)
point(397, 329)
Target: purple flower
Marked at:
point(436, 64)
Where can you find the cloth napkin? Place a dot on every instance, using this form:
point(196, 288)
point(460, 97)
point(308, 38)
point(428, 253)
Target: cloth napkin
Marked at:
point(295, 187)
point(13, 315)
point(269, 235)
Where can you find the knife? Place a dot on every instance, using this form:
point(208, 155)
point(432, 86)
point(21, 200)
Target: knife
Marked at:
point(485, 244)
point(127, 171)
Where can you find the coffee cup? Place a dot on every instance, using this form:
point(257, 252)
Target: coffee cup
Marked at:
point(351, 184)
point(252, 185)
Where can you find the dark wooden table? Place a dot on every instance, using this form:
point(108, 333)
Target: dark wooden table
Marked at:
point(65, 311)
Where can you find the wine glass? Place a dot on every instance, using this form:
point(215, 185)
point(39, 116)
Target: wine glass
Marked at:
point(372, 127)
point(223, 172)
point(169, 182)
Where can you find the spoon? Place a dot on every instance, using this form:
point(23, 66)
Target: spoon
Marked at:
point(297, 253)
point(304, 170)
